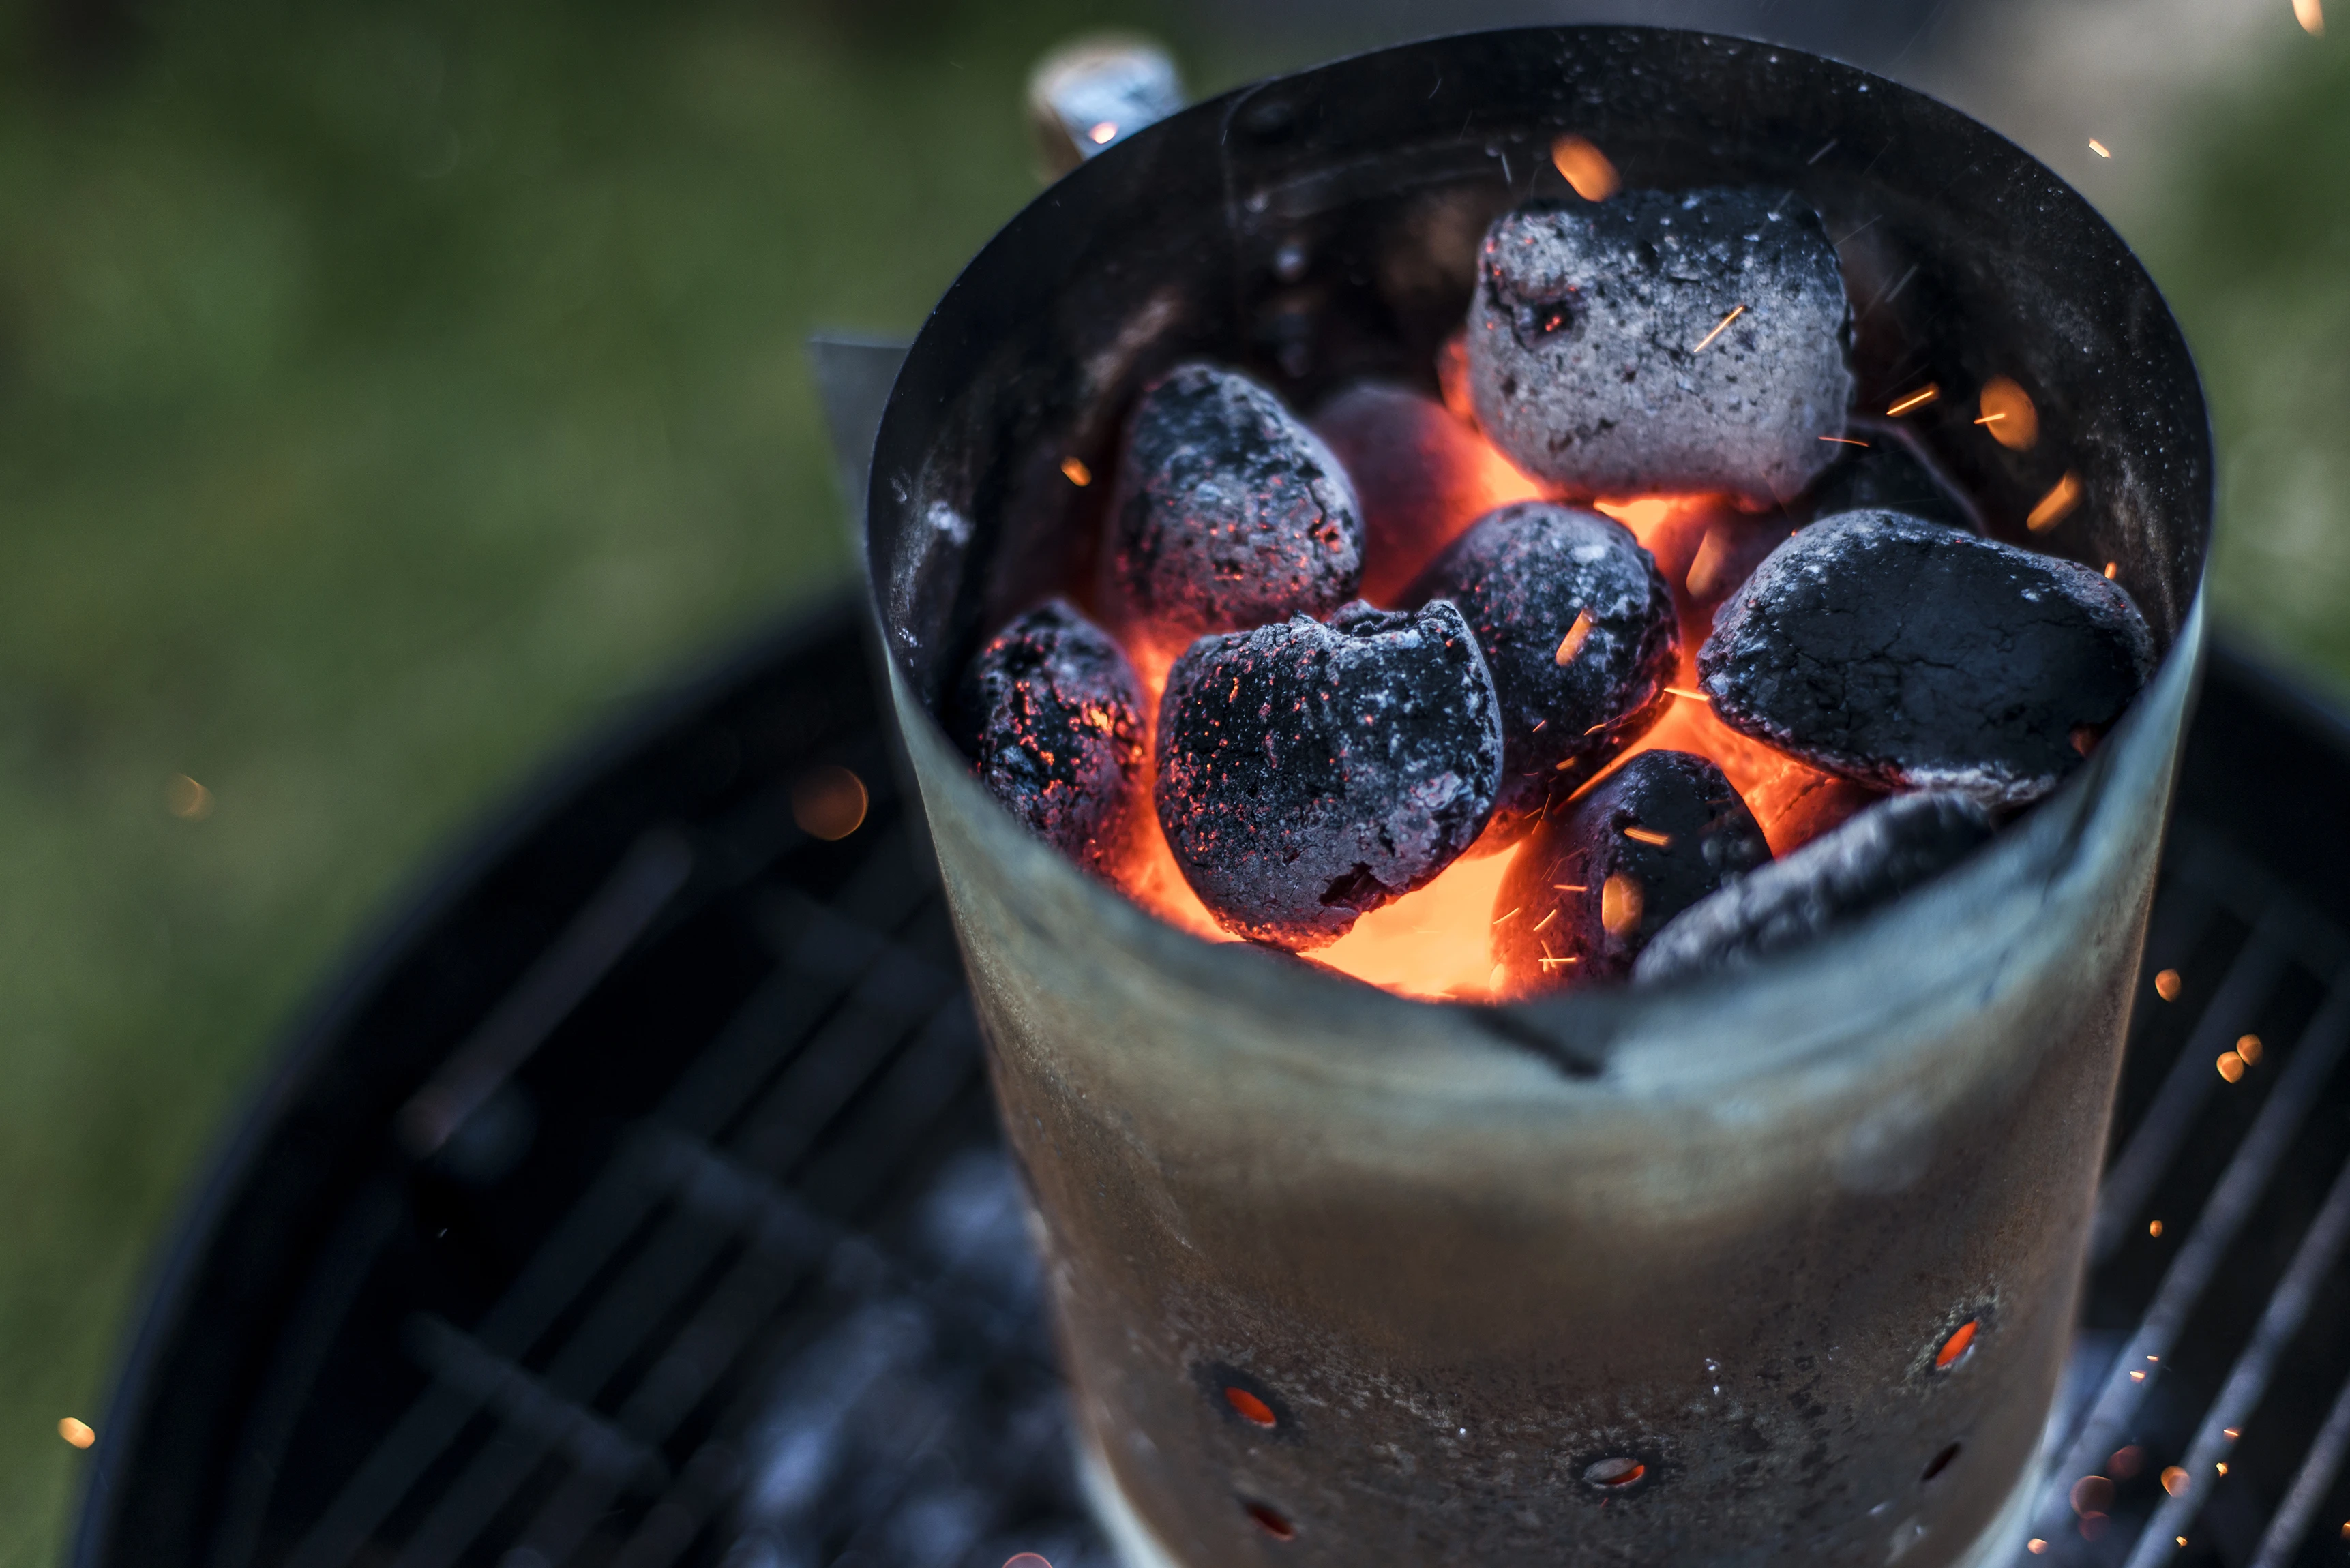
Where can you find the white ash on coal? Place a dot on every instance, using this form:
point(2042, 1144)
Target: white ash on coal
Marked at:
point(1308, 774)
point(1663, 341)
point(1228, 513)
point(1578, 628)
point(1869, 861)
point(1050, 712)
point(1421, 475)
point(1908, 655)
point(1599, 878)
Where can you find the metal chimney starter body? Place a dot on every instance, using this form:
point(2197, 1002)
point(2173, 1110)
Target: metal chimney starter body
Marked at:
point(1635, 1276)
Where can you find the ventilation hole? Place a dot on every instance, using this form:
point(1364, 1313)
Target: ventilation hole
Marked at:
point(1956, 1348)
point(1615, 1474)
point(1939, 1463)
point(1270, 1519)
point(1251, 1408)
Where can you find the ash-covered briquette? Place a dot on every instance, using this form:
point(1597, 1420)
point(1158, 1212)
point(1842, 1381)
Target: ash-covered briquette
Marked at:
point(1912, 656)
point(1601, 876)
point(1228, 511)
point(1663, 341)
point(1872, 860)
point(1421, 476)
point(1050, 712)
point(1579, 629)
point(1308, 774)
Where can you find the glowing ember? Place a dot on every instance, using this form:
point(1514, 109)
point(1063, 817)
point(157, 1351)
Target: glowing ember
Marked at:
point(1924, 395)
point(2167, 985)
point(1585, 168)
point(2154, 1228)
point(2056, 505)
point(1102, 135)
point(1251, 1408)
point(1720, 327)
point(1955, 1348)
point(78, 1433)
point(1074, 470)
point(1661, 840)
point(2248, 1047)
point(1572, 643)
point(2231, 1066)
point(1615, 1473)
point(2098, 147)
point(2113, 570)
point(2009, 414)
point(2311, 15)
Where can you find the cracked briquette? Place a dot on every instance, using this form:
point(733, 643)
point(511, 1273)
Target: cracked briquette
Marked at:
point(1310, 772)
point(1051, 713)
point(1663, 341)
point(1908, 655)
point(1228, 513)
point(1891, 847)
point(1601, 875)
point(1536, 580)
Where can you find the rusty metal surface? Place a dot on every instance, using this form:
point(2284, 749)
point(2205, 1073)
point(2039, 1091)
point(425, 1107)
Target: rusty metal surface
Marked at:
point(1465, 1254)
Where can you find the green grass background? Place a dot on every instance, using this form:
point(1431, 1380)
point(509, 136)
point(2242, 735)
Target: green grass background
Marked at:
point(389, 389)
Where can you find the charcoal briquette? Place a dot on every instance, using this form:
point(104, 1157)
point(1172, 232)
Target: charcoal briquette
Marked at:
point(1908, 655)
point(1578, 628)
point(1872, 860)
point(1602, 875)
point(1663, 341)
point(1228, 511)
point(1050, 712)
point(1310, 772)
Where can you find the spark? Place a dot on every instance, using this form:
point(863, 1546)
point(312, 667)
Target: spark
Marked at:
point(2222, 1467)
point(78, 1433)
point(1720, 327)
point(2098, 147)
point(2167, 985)
point(1074, 470)
point(2248, 1047)
point(1513, 914)
point(2035, 1546)
point(2231, 1433)
point(1650, 836)
point(1572, 643)
point(1954, 1349)
point(2154, 1228)
point(1594, 730)
point(1585, 168)
point(2137, 1376)
point(1546, 919)
point(1103, 134)
point(1685, 691)
point(1844, 441)
point(1929, 392)
point(2311, 15)
point(1621, 901)
point(2056, 505)
point(1569, 888)
point(2231, 1066)
point(2113, 569)
point(2009, 414)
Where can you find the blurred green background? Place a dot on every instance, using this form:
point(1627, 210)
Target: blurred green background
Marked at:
point(389, 390)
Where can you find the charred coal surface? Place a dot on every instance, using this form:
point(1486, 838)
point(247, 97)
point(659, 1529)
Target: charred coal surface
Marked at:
point(1656, 341)
point(1228, 511)
point(1601, 877)
point(1051, 713)
point(1908, 655)
point(1869, 861)
point(1309, 773)
point(1421, 475)
point(1579, 629)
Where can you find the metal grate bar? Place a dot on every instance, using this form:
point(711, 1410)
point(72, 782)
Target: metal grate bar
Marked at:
point(2320, 1249)
point(2299, 1510)
point(2232, 1203)
point(2131, 1179)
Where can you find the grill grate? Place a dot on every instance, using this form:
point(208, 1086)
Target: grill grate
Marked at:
point(459, 1297)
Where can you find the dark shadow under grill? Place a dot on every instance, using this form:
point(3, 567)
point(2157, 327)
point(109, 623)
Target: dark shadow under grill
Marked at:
point(716, 1255)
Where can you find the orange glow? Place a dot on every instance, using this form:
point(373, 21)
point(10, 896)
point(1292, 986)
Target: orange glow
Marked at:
point(1074, 470)
point(2154, 1228)
point(2231, 1066)
point(2113, 570)
point(2250, 1048)
point(1102, 135)
point(2009, 414)
point(1621, 901)
point(1649, 836)
point(1585, 168)
point(1572, 643)
point(1434, 943)
point(1954, 1349)
point(2036, 1546)
point(1251, 1408)
point(2056, 505)
point(78, 1433)
point(2311, 15)
point(2167, 985)
point(1916, 399)
point(2098, 147)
